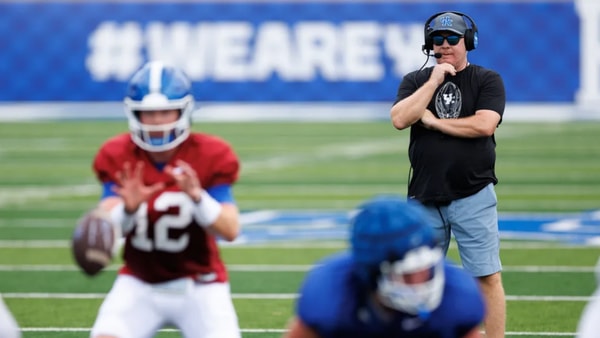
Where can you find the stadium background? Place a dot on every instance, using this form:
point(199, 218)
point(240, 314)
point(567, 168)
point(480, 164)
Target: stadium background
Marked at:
point(260, 56)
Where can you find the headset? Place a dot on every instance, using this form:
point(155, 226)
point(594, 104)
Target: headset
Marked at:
point(470, 36)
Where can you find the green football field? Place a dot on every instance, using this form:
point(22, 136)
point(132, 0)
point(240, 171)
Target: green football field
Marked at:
point(46, 183)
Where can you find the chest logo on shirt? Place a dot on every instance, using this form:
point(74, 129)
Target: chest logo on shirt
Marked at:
point(448, 101)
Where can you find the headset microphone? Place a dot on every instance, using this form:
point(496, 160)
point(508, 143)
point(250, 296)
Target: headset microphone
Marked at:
point(427, 52)
point(435, 55)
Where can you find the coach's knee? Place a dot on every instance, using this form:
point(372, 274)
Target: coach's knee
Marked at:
point(491, 281)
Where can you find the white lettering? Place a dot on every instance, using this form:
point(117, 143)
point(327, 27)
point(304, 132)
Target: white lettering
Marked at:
point(238, 51)
point(200, 61)
point(589, 69)
point(231, 51)
point(273, 52)
point(170, 43)
point(317, 50)
point(115, 51)
point(403, 45)
point(361, 56)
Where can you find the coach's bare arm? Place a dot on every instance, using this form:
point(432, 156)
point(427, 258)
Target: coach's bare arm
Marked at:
point(409, 110)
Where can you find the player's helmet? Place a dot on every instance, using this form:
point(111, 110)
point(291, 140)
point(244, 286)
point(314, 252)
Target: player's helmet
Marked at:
point(391, 238)
point(157, 86)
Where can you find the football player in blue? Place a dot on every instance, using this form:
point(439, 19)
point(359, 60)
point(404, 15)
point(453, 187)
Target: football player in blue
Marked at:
point(393, 282)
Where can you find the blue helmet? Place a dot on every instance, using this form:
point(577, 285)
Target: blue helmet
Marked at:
point(390, 239)
point(157, 86)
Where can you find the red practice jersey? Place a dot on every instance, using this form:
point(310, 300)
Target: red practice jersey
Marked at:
point(166, 242)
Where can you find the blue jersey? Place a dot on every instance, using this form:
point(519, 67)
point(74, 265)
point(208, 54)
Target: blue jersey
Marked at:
point(333, 303)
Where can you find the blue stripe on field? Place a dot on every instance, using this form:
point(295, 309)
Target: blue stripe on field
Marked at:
point(263, 226)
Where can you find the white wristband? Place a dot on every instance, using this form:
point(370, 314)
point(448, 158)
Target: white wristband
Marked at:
point(121, 218)
point(207, 210)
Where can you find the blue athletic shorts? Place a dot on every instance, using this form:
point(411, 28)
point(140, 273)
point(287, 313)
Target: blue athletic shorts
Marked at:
point(473, 221)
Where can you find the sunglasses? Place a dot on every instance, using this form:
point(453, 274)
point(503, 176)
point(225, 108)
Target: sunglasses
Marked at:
point(438, 40)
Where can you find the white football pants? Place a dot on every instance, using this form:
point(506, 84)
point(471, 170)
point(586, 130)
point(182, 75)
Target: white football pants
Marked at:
point(589, 323)
point(8, 324)
point(135, 309)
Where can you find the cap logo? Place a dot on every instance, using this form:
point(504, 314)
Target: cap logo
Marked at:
point(446, 21)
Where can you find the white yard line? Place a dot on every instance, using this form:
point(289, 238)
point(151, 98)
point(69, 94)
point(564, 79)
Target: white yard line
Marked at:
point(83, 329)
point(357, 150)
point(40, 295)
point(327, 152)
point(287, 268)
point(292, 245)
point(20, 223)
point(20, 195)
point(16, 244)
point(34, 244)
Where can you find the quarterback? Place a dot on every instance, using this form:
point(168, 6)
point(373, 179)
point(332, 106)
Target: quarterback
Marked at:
point(169, 194)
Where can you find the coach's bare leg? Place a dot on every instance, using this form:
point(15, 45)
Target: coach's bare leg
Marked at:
point(493, 292)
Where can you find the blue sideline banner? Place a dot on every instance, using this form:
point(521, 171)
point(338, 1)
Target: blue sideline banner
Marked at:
point(288, 51)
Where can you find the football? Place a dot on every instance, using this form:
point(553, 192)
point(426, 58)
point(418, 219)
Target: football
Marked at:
point(93, 242)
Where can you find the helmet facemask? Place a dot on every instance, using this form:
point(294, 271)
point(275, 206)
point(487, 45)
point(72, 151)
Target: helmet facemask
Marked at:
point(398, 289)
point(163, 137)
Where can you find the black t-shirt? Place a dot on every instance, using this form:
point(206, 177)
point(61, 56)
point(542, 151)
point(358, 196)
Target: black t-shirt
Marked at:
point(446, 167)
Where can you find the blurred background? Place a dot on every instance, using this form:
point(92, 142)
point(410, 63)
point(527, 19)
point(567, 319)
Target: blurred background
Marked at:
point(287, 59)
point(302, 89)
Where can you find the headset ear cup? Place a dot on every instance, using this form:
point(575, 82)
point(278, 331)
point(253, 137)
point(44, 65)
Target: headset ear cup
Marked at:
point(475, 39)
point(469, 39)
point(428, 40)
